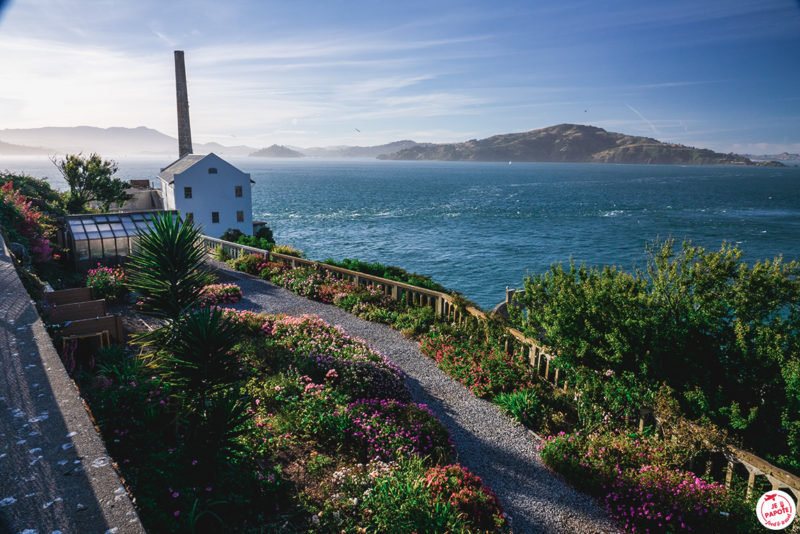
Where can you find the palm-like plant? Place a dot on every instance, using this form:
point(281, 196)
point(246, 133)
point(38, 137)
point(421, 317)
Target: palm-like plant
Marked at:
point(199, 356)
point(168, 267)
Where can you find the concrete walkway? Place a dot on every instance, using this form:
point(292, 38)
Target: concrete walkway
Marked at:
point(55, 473)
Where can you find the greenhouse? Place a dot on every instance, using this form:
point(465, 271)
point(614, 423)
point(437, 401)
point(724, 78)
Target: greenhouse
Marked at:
point(105, 238)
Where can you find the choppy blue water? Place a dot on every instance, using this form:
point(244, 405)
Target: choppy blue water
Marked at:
point(479, 227)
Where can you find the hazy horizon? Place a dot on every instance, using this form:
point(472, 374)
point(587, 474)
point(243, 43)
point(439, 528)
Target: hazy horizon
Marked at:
point(716, 75)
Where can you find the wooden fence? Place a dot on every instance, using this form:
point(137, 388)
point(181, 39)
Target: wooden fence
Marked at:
point(539, 356)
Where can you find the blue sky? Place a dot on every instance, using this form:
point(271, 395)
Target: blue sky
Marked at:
point(718, 74)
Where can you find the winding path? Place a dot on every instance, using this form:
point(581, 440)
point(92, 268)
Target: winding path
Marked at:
point(492, 446)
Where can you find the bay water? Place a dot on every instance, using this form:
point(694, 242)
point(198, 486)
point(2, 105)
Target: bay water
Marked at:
point(479, 227)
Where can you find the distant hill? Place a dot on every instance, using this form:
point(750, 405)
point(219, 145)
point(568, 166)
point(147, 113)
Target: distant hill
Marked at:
point(276, 151)
point(783, 156)
point(7, 149)
point(105, 141)
point(357, 151)
point(569, 143)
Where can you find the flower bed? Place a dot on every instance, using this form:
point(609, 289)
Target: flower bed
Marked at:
point(284, 442)
point(108, 282)
point(220, 294)
point(641, 483)
point(389, 429)
point(628, 473)
point(486, 371)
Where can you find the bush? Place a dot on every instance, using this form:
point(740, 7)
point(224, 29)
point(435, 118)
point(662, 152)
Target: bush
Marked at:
point(387, 429)
point(390, 272)
point(464, 491)
point(214, 294)
point(407, 497)
point(255, 242)
point(25, 223)
point(525, 405)
point(288, 250)
point(232, 235)
point(326, 347)
point(107, 282)
point(248, 263)
point(356, 378)
point(485, 370)
point(722, 334)
point(653, 499)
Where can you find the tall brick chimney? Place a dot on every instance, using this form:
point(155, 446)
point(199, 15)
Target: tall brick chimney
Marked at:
point(184, 130)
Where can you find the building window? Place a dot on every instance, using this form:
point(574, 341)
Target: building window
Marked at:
point(187, 192)
point(189, 217)
point(212, 170)
point(239, 216)
point(238, 191)
point(214, 216)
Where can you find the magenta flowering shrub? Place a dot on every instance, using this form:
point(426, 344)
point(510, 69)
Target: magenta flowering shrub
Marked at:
point(248, 263)
point(460, 488)
point(640, 480)
point(486, 371)
point(107, 282)
point(319, 347)
point(358, 378)
point(659, 500)
point(220, 294)
point(388, 429)
point(25, 223)
point(303, 281)
point(249, 320)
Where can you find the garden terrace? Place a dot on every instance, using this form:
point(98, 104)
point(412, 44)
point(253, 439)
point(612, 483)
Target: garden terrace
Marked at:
point(727, 464)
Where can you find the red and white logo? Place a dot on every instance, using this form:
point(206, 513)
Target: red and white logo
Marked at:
point(776, 510)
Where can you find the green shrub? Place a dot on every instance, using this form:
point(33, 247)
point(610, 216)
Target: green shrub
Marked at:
point(390, 272)
point(255, 242)
point(389, 430)
point(288, 250)
point(248, 263)
point(485, 369)
point(107, 282)
point(413, 499)
point(725, 336)
point(524, 404)
point(232, 235)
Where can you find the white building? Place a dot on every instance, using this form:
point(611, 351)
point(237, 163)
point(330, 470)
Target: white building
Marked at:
point(209, 190)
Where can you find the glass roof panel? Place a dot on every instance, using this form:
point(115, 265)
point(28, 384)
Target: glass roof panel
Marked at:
point(119, 225)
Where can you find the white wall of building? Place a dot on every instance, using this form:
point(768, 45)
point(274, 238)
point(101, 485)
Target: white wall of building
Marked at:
point(212, 193)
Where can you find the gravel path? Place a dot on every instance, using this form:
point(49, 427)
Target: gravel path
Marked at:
point(492, 446)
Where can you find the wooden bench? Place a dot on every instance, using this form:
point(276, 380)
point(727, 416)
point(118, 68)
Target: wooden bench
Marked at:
point(110, 323)
point(78, 310)
point(69, 296)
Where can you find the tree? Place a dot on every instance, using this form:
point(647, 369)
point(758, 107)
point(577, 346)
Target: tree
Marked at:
point(724, 335)
point(91, 179)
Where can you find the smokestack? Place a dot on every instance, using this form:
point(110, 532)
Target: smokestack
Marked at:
point(184, 130)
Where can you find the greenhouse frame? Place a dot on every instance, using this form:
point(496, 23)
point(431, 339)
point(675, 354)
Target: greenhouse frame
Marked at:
point(106, 238)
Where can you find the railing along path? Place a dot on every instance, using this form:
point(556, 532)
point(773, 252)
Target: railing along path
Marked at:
point(516, 343)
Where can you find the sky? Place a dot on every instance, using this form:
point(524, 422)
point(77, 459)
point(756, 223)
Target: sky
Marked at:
point(719, 74)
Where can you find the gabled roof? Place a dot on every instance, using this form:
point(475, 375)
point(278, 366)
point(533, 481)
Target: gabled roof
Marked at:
point(186, 162)
point(176, 167)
